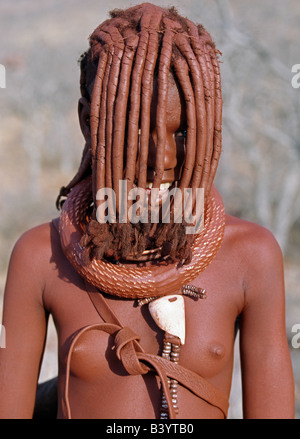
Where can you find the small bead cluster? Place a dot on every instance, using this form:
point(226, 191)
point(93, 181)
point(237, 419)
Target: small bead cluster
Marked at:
point(187, 290)
point(192, 291)
point(147, 300)
point(170, 352)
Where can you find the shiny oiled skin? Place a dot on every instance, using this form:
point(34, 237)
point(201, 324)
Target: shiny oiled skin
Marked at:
point(244, 279)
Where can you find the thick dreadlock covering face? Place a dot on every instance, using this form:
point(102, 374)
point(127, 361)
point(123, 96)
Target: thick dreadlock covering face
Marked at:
point(126, 71)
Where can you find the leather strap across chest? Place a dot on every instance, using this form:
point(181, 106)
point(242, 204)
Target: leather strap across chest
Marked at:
point(137, 362)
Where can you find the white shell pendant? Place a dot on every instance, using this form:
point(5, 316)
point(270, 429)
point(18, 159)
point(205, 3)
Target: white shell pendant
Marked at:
point(169, 315)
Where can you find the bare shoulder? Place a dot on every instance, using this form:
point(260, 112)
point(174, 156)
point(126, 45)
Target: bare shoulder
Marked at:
point(31, 254)
point(258, 255)
point(34, 241)
point(252, 239)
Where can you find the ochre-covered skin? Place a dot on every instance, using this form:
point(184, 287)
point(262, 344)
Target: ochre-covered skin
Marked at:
point(245, 279)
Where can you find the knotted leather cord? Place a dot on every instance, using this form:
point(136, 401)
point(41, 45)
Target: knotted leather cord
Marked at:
point(137, 362)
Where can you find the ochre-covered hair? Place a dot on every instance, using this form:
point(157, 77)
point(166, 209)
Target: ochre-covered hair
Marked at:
point(117, 72)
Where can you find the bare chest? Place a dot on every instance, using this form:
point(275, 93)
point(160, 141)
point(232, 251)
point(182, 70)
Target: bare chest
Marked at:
point(209, 325)
point(208, 348)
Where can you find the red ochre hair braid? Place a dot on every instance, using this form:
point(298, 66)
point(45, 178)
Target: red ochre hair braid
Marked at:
point(117, 72)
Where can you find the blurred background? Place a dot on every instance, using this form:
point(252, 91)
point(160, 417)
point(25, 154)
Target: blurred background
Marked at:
point(41, 144)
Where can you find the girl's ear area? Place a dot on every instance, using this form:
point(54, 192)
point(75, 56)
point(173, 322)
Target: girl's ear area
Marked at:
point(84, 108)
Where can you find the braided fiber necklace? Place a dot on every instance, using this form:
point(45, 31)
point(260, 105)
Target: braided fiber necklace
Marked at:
point(138, 282)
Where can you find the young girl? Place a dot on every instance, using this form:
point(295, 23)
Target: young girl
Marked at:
point(136, 339)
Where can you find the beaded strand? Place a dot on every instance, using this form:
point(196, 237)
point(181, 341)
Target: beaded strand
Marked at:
point(171, 349)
